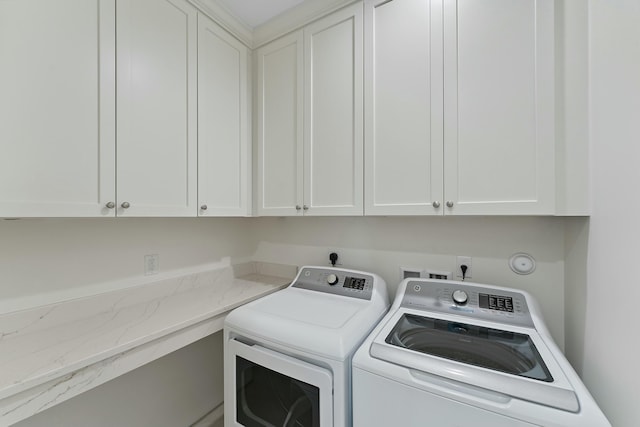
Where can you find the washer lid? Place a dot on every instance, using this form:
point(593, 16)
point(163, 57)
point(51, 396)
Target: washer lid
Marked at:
point(504, 351)
point(502, 358)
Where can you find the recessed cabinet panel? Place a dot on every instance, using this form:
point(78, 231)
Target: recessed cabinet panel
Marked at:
point(403, 107)
point(333, 114)
point(222, 125)
point(280, 125)
point(157, 105)
point(499, 106)
point(57, 112)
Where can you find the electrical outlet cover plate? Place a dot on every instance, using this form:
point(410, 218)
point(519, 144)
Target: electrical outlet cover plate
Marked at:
point(151, 264)
point(406, 272)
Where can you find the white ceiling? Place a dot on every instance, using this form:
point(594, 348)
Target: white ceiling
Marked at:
point(256, 12)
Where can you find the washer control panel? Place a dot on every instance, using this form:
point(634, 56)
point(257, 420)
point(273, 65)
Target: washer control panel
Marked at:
point(334, 281)
point(468, 300)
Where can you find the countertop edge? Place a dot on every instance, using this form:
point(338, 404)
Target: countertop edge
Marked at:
point(35, 394)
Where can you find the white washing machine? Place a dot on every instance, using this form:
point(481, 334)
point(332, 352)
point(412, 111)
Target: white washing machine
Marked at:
point(460, 354)
point(288, 355)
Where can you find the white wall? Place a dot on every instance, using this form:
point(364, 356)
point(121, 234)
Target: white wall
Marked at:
point(58, 256)
point(173, 391)
point(384, 244)
point(45, 259)
point(608, 352)
point(576, 296)
point(42, 260)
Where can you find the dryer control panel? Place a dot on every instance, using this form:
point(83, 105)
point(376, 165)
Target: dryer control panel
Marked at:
point(470, 300)
point(335, 281)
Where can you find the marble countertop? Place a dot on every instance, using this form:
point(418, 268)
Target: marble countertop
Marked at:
point(51, 353)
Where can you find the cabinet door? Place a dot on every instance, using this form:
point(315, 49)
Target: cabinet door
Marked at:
point(279, 126)
point(156, 107)
point(57, 108)
point(403, 107)
point(499, 106)
point(223, 143)
point(334, 114)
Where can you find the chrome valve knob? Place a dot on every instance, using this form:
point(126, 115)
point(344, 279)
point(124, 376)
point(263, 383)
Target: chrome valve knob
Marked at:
point(460, 297)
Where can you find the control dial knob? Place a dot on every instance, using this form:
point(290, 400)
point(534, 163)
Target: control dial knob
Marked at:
point(460, 297)
point(332, 279)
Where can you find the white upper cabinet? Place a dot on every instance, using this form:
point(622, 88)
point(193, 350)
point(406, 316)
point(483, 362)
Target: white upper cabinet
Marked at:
point(63, 65)
point(459, 107)
point(57, 112)
point(333, 114)
point(156, 108)
point(403, 121)
point(223, 127)
point(499, 134)
point(310, 118)
point(383, 107)
point(279, 95)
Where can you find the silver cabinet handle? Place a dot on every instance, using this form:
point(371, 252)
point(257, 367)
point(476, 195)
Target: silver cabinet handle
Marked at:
point(204, 207)
point(449, 204)
point(436, 204)
point(110, 205)
point(125, 205)
point(305, 207)
point(298, 207)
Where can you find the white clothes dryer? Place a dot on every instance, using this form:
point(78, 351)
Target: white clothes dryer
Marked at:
point(462, 354)
point(288, 355)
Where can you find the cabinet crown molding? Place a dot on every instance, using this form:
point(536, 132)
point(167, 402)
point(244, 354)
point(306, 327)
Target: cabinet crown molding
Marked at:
point(295, 18)
point(223, 17)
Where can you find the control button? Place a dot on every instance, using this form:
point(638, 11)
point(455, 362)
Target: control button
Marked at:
point(332, 279)
point(460, 297)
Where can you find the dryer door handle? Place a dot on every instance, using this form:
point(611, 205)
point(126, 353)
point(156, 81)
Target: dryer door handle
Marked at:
point(442, 385)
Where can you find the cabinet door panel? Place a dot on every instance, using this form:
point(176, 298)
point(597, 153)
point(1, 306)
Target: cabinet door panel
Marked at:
point(57, 108)
point(333, 114)
point(279, 116)
point(499, 106)
point(403, 107)
point(223, 170)
point(157, 102)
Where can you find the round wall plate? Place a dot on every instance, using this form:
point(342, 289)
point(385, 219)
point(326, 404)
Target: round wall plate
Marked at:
point(522, 263)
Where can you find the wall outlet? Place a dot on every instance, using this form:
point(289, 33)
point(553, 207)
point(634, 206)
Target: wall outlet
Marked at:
point(151, 264)
point(439, 275)
point(464, 260)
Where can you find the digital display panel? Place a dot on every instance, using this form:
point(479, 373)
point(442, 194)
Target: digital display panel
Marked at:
point(354, 283)
point(496, 302)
